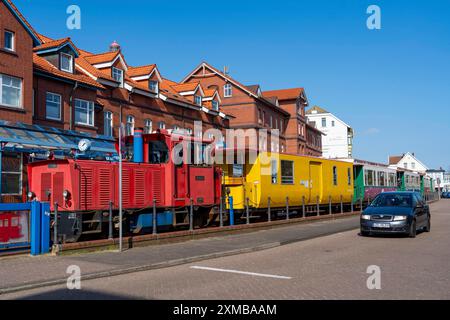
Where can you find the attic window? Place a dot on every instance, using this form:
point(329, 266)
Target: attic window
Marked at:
point(66, 62)
point(117, 75)
point(198, 100)
point(227, 90)
point(9, 41)
point(215, 105)
point(153, 86)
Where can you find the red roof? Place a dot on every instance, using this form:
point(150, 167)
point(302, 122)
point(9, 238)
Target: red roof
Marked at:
point(284, 94)
point(141, 71)
point(184, 87)
point(55, 44)
point(41, 64)
point(101, 57)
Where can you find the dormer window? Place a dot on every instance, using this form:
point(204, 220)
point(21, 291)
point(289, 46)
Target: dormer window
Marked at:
point(117, 75)
point(9, 41)
point(227, 90)
point(153, 86)
point(66, 62)
point(198, 100)
point(215, 105)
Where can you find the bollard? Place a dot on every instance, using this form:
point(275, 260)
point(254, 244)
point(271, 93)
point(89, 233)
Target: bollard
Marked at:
point(247, 215)
point(303, 206)
point(287, 208)
point(110, 233)
point(154, 217)
point(329, 204)
point(318, 208)
point(55, 226)
point(221, 212)
point(342, 205)
point(191, 217)
point(269, 214)
point(230, 201)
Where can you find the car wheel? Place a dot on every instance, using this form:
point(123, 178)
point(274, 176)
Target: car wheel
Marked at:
point(428, 226)
point(413, 230)
point(364, 233)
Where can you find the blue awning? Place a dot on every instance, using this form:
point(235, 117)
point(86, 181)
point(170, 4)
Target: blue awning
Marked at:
point(19, 135)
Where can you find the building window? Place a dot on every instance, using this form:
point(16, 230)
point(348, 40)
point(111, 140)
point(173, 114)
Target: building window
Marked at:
point(335, 175)
point(413, 165)
point(260, 120)
point(10, 91)
point(129, 128)
point(66, 62)
point(227, 90)
point(281, 125)
point(108, 124)
point(405, 165)
point(148, 126)
point(215, 105)
point(161, 125)
point(11, 173)
point(117, 75)
point(287, 172)
point(84, 112)
point(274, 170)
point(332, 123)
point(153, 86)
point(9, 41)
point(53, 106)
point(324, 122)
point(198, 100)
point(189, 131)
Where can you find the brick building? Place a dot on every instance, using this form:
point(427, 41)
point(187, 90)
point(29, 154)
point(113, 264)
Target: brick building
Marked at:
point(247, 106)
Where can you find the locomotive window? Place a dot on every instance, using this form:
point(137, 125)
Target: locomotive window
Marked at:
point(159, 153)
point(274, 170)
point(335, 175)
point(287, 172)
point(238, 170)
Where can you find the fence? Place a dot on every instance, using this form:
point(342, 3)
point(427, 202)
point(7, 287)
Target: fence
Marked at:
point(25, 226)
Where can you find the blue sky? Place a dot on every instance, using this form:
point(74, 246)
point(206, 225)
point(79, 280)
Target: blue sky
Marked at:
point(391, 85)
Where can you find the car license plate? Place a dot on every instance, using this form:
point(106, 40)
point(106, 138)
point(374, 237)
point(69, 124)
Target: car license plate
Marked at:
point(381, 225)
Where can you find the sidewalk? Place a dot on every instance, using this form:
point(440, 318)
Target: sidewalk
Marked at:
point(26, 272)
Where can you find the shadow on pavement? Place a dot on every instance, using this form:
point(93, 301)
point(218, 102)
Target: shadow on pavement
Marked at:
point(66, 294)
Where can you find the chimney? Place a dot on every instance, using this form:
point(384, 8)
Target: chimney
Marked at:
point(226, 70)
point(114, 46)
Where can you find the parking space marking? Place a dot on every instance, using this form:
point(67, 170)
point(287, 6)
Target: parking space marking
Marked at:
point(242, 272)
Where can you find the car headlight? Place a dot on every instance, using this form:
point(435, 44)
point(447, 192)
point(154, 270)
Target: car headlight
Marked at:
point(365, 217)
point(400, 218)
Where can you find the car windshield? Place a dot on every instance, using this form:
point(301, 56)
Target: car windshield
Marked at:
point(392, 200)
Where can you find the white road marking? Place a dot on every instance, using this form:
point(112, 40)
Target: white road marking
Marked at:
point(241, 272)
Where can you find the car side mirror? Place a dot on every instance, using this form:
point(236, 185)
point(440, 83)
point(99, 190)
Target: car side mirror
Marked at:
point(419, 205)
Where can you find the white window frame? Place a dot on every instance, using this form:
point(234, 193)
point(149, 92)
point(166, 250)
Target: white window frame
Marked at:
point(227, 90)
point(161, 125)
point(20, 106)
point(129, 126)
point(90, 117)
point(114, 69)
point(198, 100)
point(148, 126)
point(157, 86)
point(63, 54)
point(108, 119)
point(20, 173)
point(215, 105)
point(324, 122)
point(60, 104)
point(13, 41)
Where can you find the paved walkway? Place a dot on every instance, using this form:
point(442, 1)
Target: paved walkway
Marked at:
point(25, 272)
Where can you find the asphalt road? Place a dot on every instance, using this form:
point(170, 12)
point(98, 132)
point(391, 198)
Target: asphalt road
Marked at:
point(330, 267)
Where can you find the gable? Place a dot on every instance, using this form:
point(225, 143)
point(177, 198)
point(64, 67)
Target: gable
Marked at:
point(21, 19)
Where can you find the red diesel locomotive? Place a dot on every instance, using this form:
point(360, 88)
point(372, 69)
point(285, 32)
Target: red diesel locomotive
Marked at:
point(84, 190)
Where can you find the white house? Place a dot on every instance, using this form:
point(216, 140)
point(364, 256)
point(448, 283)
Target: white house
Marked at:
point(337, 141)
point(408, 161)
point(438, 176)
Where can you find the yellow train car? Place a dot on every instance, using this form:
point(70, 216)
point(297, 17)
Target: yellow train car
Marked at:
point(300, 179)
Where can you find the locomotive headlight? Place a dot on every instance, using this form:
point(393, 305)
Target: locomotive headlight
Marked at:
point(30, 195)
point(66, 194)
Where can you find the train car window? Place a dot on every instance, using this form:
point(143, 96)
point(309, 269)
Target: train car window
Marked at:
point(349, 176)
point(392, 179)
point(274, 170)
point(381, 178)
point(158, 152)
point(335, 175)
point(287, 172)
point(369, 177)
point(238, 170)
